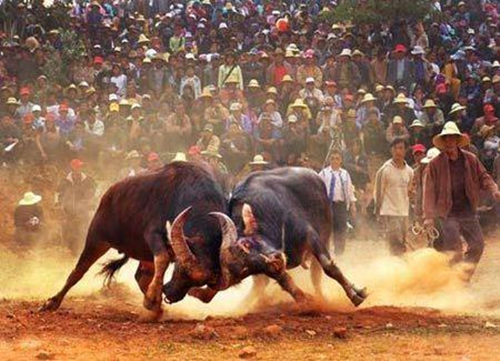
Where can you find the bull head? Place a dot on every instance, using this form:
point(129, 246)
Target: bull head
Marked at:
point(251, 254)
point(179, 242)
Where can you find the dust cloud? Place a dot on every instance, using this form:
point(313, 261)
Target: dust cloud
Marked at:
point(422, 278)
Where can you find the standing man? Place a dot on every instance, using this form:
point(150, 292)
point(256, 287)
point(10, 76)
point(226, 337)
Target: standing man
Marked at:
point(452, 185)
point(392, 196)
point(341, 195)
point(75, 194)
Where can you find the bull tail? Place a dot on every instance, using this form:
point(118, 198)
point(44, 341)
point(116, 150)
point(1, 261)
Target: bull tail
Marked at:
point(111, 267)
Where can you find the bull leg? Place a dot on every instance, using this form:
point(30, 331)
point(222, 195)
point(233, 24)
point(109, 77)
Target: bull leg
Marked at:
point(144, 276)
point(161, 260)
point(357, 296)
point(286, 282)
point(316, 277)
point(204, 294)
point(91, 253)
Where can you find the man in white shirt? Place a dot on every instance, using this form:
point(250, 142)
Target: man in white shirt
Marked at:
point(392, 196)
point(341, 195)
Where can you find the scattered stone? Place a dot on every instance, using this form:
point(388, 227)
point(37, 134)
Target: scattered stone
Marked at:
point(438, 350)
point(248, 352)
point(389, 325)
point(44, 355)
point(442, 325)
point(490, 325)
point(240, 333)
point(11, 316)
point(30, 344)
point(202, 332)
point(311, 332)
point(340, 332)
point(273, 330)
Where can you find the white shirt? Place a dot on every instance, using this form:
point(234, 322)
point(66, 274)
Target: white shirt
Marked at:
point(97, 128)
point(391, 189)
point(344, 190)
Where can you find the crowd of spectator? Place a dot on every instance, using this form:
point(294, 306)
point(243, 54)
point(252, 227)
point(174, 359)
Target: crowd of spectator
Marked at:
point(230, 81)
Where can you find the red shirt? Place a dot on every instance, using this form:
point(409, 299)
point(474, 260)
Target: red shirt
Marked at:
point(279, 73)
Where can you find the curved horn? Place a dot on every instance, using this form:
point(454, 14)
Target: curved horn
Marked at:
point(229, 236)
point(248, 220)
point(178, 240)
point(229, 233)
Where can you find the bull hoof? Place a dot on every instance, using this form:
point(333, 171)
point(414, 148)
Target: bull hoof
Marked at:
point(50, 305)
point(359, 296)
point(150, 303)
point(304, 299)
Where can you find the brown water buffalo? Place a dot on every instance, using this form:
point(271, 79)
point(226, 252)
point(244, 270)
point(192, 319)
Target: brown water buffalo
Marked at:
point(132, 218)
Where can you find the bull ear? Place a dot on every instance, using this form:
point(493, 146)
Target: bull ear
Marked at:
point(248, 220)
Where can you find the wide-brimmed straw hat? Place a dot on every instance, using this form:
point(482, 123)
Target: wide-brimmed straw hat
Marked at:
point(133, 154)
point(179, 157)
point(450, 128)
point(456, 107)
point(400, 99)
point(299, 103)
point(258, 160)
point(431, 154)
point(368, 97)
point(417, 123)
point(429, 103)
point(29, 199)
point(211, 153)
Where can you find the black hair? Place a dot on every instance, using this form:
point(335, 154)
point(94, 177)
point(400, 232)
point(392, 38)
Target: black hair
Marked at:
point(335, 152)
point(399, 140)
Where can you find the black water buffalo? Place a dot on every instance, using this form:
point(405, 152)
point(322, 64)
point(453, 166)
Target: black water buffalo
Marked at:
point(277, 218)
point(131, 218)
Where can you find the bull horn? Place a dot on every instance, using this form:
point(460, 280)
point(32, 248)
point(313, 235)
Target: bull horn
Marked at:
point(178, 242)
point(248, 220)
point(229, 236)
point(229, 233)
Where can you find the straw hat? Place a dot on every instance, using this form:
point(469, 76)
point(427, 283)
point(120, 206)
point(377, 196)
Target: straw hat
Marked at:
point(456, 107)
point(429, 103)
point(299, 103)
point(400, 99)
point(114, 107)
point(287, 78)
point(235, 107)
point(133, 155)
point(368, 97)
point(496, 79)
point(179, 157)
point(258, 160)
point(346, 52)
point(272, 90)
point(143, 39)
point(12, 101)
point(397, 120)
point(30, 199)
point(431, 154)
point(206, 93)
point(212, 153)
point(450, 128)
point(417, 123)
point(254, 83)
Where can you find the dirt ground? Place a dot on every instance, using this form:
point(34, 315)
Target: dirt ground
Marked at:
point(91, 330)
point(418, 308)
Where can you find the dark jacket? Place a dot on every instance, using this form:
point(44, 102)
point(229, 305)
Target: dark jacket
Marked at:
point(437, 201)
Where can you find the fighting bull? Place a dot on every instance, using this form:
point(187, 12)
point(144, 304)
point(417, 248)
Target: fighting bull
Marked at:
point(277, 218)
point(132, 218)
